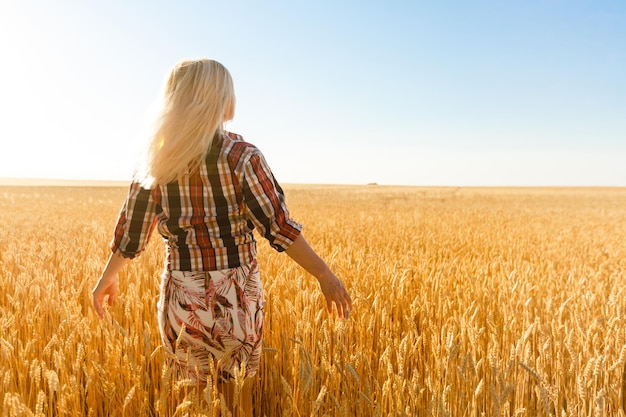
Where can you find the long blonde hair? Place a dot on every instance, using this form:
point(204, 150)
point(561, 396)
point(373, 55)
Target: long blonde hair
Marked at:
point(197, 99)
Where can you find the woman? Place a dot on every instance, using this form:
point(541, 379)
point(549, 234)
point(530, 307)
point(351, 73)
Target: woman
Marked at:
point(205, 190)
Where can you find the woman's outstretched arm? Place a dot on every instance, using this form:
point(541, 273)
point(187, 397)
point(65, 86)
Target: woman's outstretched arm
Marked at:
point(331, 286)
point(108, 282)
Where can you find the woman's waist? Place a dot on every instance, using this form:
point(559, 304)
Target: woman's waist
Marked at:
point(199, 258)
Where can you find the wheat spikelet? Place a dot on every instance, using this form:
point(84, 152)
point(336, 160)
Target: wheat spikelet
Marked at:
point(129, 397)
point(620, 360)
point(597, 368)
point(572, 351)
point(479, 388)
point(288, 391)
point(472, 365)
point(53, 381)
point(492, 357)
point(589, 369)
point(444, 400)
point(183, 408)
point(58, 359)
point(599, 408)
point(543, 397)
point(527, 352)
point(352, 372)
point(240, 372)
point(581, 387)
point(35, 373)
point(318, 401)
point(41, 398)
point(365, 397)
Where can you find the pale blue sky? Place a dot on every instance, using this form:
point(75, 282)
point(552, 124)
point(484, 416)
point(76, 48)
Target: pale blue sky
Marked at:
point(394, 92)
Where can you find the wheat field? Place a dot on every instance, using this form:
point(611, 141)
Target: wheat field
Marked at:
point(467, 302)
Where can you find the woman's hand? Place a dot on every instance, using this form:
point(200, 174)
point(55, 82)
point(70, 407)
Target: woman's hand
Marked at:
point(108, 283)
point(106, 286)
point(335, 292)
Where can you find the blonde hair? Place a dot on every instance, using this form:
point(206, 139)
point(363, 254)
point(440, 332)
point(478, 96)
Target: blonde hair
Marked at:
point(197, 99)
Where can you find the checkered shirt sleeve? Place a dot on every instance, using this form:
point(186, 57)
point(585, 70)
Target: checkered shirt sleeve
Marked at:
point(265, 203)
point(135, 223)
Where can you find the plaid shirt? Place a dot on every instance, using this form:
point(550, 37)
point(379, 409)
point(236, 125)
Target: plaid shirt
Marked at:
point(206, 218)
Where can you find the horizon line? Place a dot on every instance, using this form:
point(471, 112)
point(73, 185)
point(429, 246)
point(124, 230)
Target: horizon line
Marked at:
point(34, 182)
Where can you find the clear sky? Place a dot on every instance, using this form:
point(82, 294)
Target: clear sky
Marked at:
point(333, 91)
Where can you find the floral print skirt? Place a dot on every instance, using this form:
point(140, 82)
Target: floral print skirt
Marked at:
point(213, 320)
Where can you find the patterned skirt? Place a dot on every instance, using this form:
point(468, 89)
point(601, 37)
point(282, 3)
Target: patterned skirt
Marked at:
point(212, 320)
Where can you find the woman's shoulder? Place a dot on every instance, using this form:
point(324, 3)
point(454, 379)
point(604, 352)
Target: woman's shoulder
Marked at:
point(235, 143)
point(233, 136)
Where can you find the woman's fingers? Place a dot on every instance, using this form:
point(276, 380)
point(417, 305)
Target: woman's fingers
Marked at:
point(98, 306)
point(98, 300)
point(342, 301)
point(103, 289)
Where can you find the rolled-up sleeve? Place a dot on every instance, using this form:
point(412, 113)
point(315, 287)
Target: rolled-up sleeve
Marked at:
point(135, 222)
point(266, 206)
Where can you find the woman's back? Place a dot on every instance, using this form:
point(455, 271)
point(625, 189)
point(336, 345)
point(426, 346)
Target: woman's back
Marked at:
point(207, 217)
